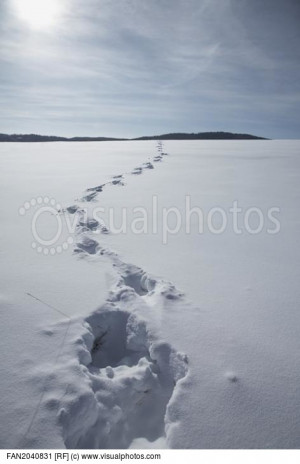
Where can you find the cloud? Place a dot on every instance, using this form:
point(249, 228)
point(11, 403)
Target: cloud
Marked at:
point(130, 67)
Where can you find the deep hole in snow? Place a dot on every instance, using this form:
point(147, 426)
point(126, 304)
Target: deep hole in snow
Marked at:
point(134, 280)
point(130, 382)
point(110, 343)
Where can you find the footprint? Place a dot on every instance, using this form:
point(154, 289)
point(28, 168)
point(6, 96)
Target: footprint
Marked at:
point(94, 192)
point(143, 283)
point(98, 188)
point(87, 245)
point(117, 182)
point(134, 277)
point(157, 158)
point(132, 379)
point(90, 197)
point(110, 347)
point(72, 209)
point(89, 224)
point(137, 171)
point(148, 165)
point(103, 229)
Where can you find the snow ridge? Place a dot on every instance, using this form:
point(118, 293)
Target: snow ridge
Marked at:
point(129, 375)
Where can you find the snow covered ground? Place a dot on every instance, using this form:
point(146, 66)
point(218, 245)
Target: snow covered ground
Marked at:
point(168, 333)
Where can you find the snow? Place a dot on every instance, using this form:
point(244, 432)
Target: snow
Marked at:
point(150, 339)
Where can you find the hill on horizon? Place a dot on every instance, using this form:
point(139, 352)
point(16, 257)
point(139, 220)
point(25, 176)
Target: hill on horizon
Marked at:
point(171, 136)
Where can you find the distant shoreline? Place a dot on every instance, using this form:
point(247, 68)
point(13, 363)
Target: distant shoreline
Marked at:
point(171, 136)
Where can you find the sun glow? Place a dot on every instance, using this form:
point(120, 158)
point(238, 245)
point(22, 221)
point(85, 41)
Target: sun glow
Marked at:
point(38, 14)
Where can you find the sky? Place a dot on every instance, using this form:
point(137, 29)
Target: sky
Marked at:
point(127, 68)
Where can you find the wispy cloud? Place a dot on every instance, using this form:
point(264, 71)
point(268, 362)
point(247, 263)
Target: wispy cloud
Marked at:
point(129, 67)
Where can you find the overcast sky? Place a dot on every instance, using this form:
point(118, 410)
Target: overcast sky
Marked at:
point(144, 67)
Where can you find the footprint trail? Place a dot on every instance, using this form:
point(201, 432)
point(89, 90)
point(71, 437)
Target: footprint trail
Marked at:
point(119, 180)
point(129, 374)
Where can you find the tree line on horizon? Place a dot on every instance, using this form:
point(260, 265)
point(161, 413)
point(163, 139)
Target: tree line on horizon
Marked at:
point(219, 135)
